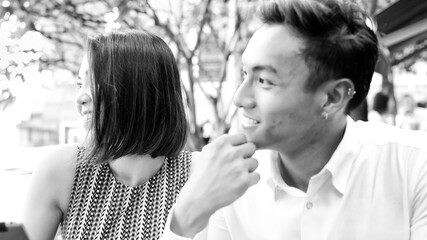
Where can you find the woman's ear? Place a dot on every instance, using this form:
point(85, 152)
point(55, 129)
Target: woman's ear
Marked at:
point(339, 93)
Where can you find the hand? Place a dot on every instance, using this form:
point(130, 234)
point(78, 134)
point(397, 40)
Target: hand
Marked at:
point(224, 170)
point(221, 173)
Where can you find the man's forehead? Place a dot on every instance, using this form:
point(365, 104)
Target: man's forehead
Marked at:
point(272, 41)
point(268, 58)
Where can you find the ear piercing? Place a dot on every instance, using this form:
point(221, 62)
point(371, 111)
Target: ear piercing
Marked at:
point(325, 115)
point(351, 93)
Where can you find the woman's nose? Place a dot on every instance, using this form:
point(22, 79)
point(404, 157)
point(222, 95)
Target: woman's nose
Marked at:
point(243, 98)
point(83, 97)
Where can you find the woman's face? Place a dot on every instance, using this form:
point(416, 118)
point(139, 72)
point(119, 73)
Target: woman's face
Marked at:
point(84, 101)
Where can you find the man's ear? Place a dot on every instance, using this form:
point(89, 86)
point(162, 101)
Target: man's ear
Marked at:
point(339, 93)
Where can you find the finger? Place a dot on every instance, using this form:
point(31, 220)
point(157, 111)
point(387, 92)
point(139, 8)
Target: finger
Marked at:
point(254, 178)
point(237, 139)
point(252, 164)
point(246, 150)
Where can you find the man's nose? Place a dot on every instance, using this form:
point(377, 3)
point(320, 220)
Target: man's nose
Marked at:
point(243, 98)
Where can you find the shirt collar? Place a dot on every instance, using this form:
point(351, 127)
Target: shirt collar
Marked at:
point(339, 165)
point(276, 182)
point(276, 178)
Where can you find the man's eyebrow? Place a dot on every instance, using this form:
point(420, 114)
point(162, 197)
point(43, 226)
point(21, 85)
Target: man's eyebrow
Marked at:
point(264, 67)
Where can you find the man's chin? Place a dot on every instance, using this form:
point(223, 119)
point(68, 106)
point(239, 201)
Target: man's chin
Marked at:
point(248, 132)
point(260, 142)
point(251, 137)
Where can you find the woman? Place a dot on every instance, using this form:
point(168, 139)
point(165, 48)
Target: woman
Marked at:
point(122, 182)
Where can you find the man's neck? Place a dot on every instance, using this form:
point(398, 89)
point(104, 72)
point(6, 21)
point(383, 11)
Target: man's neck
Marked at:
point(298, 175)
point(297, 169)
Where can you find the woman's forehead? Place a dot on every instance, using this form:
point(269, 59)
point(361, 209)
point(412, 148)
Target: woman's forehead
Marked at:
point(84, 67)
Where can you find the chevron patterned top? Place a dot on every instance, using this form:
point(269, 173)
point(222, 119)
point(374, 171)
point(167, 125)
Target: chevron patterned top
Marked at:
point(103, 208)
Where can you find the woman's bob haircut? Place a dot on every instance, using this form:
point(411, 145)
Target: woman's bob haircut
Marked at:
point(137, 97)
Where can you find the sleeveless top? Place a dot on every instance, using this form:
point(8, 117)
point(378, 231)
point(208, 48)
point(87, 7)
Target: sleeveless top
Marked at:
point(103, 208)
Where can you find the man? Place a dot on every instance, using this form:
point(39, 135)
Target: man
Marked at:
point(331, 178)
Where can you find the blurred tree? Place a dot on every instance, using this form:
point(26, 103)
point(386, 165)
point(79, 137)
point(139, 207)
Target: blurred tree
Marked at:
point(205, 35)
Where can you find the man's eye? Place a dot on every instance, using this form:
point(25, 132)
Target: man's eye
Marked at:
point(79, 84)
point(265, 83)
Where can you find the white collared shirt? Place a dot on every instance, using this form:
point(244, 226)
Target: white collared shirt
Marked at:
point(374, 187)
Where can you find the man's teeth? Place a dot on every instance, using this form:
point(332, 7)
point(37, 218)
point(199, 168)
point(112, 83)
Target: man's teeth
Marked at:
point(249, 121)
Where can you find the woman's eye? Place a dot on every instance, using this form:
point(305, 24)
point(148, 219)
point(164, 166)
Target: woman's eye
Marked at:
point(79, 84)
point(243, 74)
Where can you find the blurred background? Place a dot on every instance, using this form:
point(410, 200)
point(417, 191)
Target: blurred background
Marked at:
point(42, 45)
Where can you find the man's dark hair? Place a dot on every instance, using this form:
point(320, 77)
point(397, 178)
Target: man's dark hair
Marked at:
point(338, 41)
point(137, 96)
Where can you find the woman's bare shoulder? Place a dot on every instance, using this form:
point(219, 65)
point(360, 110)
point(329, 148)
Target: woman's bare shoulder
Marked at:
point(50, 188)
point(55, 171)
point(57, 159)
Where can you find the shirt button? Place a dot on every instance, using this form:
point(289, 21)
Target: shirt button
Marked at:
point(309, 205)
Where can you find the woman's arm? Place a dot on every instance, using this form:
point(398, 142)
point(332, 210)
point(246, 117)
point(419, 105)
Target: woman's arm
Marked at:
point(49, 191)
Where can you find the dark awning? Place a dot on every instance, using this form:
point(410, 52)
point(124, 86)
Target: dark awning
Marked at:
point(402, 24)
point(401, 14)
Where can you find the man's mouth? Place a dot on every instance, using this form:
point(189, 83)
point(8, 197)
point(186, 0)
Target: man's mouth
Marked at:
point(248, 122)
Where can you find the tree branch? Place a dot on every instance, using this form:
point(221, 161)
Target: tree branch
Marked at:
point(205, 18)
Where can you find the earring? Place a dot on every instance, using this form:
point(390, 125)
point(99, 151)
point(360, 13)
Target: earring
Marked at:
point(351, 93)
point(325, 115)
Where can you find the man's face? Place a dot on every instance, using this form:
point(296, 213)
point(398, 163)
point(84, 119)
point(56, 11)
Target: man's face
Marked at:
point(276, 112)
